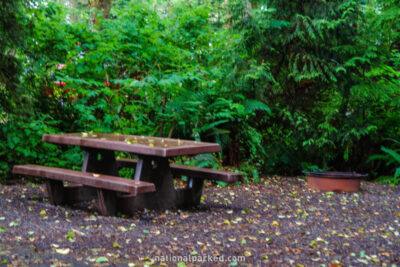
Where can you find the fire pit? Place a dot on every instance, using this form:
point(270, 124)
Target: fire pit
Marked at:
point(335, 181)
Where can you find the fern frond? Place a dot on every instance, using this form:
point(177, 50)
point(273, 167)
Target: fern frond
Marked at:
point(254, 105)
point(394, 154)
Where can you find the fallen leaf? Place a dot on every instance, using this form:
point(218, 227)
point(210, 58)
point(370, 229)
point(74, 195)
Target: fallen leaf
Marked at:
point(275, 223)
point(101, 260)
point(12, 224)
point(63, 251)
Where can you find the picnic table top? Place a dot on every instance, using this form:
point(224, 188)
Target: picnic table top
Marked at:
point(142, 145)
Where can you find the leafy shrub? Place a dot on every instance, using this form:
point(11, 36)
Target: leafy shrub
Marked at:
point(22, 144)
point(281, 87)
point(390, 158)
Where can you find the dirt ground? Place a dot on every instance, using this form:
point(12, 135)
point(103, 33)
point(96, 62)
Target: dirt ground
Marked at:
point(277, 222)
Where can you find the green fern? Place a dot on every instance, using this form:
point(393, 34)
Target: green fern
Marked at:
point(393, 154)
point(255, 105)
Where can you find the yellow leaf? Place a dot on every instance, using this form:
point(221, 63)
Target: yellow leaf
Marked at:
point(275, 223)
point(42, 212)
point(247, 253)
point(116, 245)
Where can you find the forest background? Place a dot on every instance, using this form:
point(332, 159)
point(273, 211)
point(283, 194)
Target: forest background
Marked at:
point(282, 86)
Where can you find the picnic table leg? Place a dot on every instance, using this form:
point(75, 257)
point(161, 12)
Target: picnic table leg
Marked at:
point(97, 161)
point(143, 169)
point(164, 183)
point(101, 161)
point(106, 202)
point(55, 191)
point(194, 190)
point(191, 195)
point(154, 170)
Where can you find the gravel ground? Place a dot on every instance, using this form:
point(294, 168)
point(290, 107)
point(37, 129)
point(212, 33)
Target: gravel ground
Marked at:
point(277, 222)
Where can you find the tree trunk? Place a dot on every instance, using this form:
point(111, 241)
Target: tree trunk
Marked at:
point(104, 6)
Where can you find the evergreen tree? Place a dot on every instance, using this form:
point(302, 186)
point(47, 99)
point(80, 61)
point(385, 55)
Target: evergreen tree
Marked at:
point(311, 61)
point(306, 43)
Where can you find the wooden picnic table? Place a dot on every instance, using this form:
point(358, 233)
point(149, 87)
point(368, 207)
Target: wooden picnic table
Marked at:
point(152, 186)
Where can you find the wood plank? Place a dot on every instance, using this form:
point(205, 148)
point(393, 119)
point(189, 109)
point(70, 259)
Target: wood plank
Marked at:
point(152, 146)
point(86, 178)
point(210, 174)
point(180, 170)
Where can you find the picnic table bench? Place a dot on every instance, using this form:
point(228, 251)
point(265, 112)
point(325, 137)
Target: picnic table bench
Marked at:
point(192, 172)
point(152, 186)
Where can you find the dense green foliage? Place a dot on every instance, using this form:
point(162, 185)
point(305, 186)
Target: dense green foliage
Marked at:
point(14, 27)
point(282, 86)
point(392, 158)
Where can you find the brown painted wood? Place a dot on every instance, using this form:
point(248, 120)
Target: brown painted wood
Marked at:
point(160, 175)
point(180, 170)
point(153, 166)
point(143, 169)
point(107, 202)
point(86, 178)
point(163, 179)
point(99, 161)
point(55, 192)
point(77, 193)
point(193, 192)
point(152, 146)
